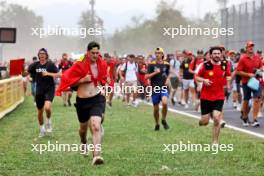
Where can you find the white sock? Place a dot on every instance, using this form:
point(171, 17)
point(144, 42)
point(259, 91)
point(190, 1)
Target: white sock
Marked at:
point(42, 127)
point(49, 120)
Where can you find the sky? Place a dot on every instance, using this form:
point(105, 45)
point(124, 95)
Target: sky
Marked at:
point(115, 13)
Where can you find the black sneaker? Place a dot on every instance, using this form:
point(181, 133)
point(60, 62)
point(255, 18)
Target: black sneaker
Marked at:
point(157, 127)
point(165, 125)
point(173, 101)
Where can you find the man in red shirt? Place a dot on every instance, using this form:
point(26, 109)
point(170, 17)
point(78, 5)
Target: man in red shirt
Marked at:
point(193, 67)
point(213, 75)
point(63, 66)
point(247, 66)
point(111, 69)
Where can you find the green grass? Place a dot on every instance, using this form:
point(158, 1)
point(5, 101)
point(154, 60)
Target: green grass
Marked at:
point(130, 146)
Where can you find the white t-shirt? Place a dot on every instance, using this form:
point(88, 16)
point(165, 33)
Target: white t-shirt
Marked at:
point(175, 67)
point(131, 72)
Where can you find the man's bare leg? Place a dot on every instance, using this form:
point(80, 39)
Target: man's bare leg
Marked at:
point(216, 126)
point(204, 120)
point(256, 106)
point(95, 127)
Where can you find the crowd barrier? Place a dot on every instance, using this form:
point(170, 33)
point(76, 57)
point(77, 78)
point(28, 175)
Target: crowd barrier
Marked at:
point(11, 94)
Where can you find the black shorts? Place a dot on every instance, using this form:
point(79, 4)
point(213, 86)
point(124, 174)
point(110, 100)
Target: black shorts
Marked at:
point(41, 97)
point(247, 92)
point(87, 107)
point(208, 107)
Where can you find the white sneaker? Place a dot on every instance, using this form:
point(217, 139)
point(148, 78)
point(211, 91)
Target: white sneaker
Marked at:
point(42, 132)
point(48, 128)
point(245, 124)
point(97, 160)
point(238, 108)
point(135, 104)
point(186, 106)
point(260, 114)
point(182, 102)
point(234, 105)
point(255, 124)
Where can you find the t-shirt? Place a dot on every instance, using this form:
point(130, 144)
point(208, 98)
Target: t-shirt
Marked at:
point(217, 76)
point(141, 75)
point(111, 64)
point(175, 67)
point(131, 71)
point(195, 63)
point(160, 78)
point(65, 65)
point(32, 74)
point(185, 67)
point(44, 83)
point(248, 65)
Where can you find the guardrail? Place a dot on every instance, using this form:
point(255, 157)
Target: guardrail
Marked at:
point(11, 94)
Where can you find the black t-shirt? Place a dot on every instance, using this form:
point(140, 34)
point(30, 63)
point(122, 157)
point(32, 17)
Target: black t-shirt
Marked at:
point(44, 83)
point(32, 73)
point(159, 79)
point(185, 67)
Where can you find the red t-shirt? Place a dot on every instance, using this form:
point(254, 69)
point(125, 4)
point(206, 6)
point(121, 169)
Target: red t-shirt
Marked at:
point(218, 77)
point(111, 64)
point(141, 76)
point(198, 62)
point(248, 65)
point(65, 65)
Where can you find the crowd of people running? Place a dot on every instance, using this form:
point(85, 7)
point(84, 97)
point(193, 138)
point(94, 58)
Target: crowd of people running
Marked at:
point(203, 81)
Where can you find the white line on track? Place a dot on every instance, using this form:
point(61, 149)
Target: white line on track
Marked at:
point(228, 126)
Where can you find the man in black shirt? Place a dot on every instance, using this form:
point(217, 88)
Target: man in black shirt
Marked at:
point(44, 71)
point(187, 78)
point(158, 73)
point(33, 78)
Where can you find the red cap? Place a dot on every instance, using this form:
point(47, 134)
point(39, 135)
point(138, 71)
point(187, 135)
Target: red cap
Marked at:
point(249, 43)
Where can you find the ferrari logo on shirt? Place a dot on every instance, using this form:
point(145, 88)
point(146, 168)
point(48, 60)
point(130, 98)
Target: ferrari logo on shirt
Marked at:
point(186, 65)
point(211, 73)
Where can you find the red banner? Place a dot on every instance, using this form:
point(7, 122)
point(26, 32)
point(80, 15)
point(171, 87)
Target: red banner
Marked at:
point(16, 66)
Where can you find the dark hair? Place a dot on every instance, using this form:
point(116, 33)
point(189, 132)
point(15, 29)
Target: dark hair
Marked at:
point(44, 50)
point(215, 48)
point(92, 45)
point(132, 56)
point(34, 58)
point(259, 52)
point(242, 50)
point(200, 51)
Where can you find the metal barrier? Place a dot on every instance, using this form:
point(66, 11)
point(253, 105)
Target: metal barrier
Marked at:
point(11, 94)
point(247, 21)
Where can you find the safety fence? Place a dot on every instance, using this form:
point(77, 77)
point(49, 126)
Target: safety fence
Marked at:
point(11, 94)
